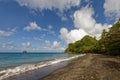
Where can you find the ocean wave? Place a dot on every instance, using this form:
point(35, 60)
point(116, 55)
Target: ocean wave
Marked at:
point(29, 67)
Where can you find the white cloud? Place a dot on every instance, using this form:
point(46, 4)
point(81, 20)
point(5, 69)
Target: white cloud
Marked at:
point(4, 33)
point(14, 29)
point(50, 26)
point(112, 8)
point(60, 5)
point(49, 30)
point(47, 46)
point(55, 46)
point(26, 44)
point(83, 19)
point(47, 43)
point(8, 45)
point(32, 26)
point(85, 24)
point(63, 18)
point(87, 0)
point(72, 36)
point(37, 38)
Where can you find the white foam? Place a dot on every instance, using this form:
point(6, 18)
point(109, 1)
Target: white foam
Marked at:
point(29, 67)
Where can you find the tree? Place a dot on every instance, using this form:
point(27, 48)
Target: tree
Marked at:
point(113, 36)
point(103, 41)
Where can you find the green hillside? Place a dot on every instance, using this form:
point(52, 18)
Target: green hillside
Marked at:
point(85, 45)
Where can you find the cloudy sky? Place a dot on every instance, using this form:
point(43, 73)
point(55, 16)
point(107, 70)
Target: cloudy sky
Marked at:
point(49, 25)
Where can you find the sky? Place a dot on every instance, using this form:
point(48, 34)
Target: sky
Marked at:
point(50, 25)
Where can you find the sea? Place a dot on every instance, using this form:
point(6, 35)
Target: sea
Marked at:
point(37, 64)
point(13, 59)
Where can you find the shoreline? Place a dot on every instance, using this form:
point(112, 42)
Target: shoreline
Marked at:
point(30, 71)
point(89, 67)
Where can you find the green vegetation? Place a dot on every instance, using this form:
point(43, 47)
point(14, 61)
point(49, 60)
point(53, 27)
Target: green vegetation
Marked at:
point(113, 39)
point(109, 43)
point(85, 45)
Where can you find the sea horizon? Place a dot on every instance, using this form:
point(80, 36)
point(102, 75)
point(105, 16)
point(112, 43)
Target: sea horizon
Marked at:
point(13, 59)
point(12, 64)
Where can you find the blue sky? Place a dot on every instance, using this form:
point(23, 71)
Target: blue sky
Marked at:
point(49, 25)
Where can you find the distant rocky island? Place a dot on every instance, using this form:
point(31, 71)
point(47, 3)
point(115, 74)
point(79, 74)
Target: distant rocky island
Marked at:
point(24, 51)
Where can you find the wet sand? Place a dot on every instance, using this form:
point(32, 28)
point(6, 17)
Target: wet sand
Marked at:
point(37, 73)
point(89, 67)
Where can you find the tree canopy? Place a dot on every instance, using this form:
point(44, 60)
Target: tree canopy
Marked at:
point(85, 45)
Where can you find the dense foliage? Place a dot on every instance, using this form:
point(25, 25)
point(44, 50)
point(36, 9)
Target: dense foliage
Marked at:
point(109, 43)
point(85, 45)
point(113, 39)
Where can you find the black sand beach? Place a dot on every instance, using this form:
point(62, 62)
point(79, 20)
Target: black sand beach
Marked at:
point(89, 67)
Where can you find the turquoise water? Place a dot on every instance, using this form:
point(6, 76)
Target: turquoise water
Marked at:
point(31, 66)
point(16, 59)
